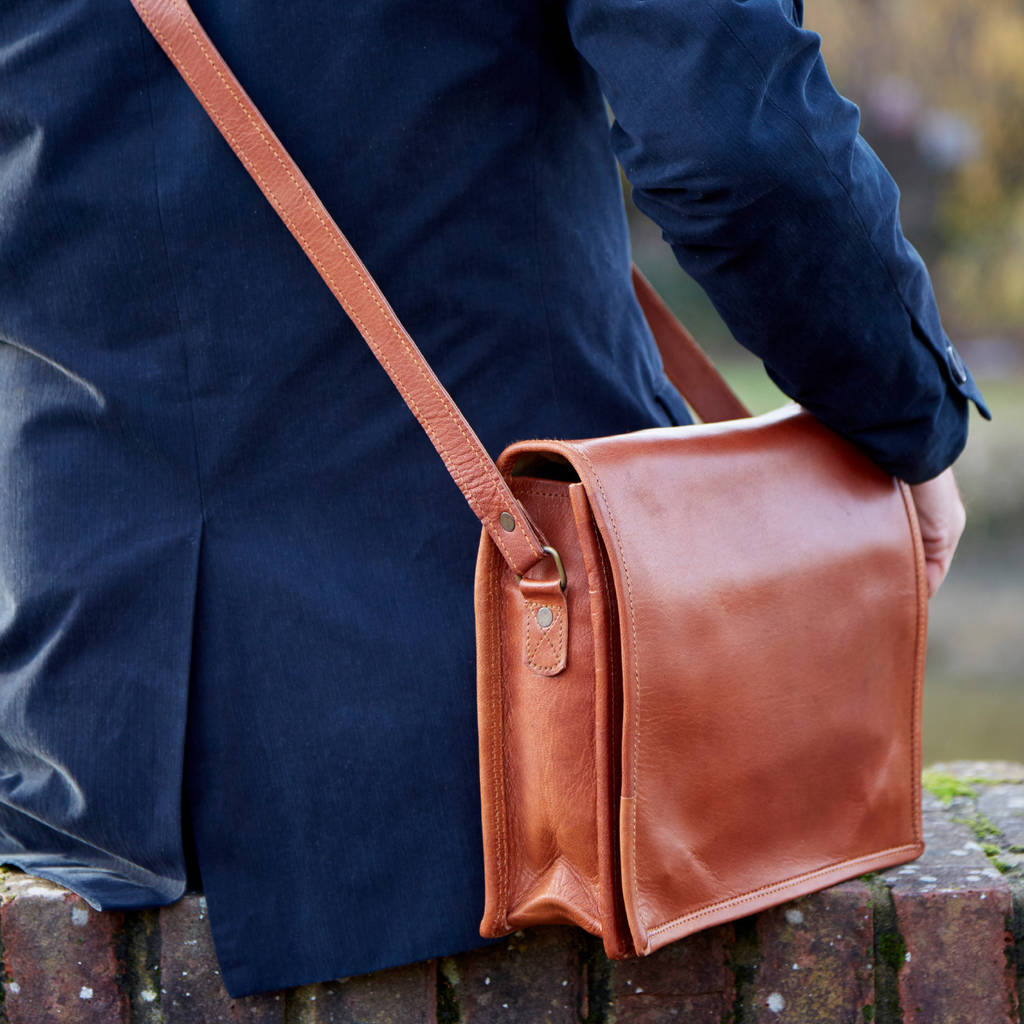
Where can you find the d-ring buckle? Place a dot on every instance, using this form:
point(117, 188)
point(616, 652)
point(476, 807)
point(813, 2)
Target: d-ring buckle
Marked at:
point(558, 565)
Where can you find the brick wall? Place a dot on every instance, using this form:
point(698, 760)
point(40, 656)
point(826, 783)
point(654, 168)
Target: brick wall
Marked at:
point(940, 941)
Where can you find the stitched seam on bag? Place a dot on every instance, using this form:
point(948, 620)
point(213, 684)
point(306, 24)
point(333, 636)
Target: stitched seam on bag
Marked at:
point(544, 638)
point(533, 651)
point(710, 908)
point(502, 813)
point(614, 679)
point(473, 501)
point(496, 699)
point(529, 492)
point(636, 673)
point(920, 640)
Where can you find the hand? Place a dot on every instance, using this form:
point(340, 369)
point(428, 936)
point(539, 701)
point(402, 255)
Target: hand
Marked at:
point(942, 517)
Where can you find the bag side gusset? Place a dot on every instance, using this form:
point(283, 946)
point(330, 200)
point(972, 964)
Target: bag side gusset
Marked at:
point(539, 766)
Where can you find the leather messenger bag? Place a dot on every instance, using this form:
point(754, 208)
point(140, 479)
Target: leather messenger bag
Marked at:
point(700, 649)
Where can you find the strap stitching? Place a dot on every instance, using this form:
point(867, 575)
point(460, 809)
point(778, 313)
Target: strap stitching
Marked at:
point(544, 639)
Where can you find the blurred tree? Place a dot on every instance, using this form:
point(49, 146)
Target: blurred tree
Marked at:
point(941, 87)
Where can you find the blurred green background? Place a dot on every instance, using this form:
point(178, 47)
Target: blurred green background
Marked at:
point(940, 86)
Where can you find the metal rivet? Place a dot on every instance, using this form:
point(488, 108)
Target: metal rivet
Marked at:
point(508, 524)
point(545, 617)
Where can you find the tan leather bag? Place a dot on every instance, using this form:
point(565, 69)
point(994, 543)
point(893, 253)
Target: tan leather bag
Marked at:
point(722, 712)
point(700, 649)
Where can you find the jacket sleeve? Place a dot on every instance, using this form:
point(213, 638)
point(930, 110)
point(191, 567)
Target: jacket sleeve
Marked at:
point(740, 149)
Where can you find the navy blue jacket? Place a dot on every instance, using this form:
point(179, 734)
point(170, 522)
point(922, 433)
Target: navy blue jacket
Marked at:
point(235, 580)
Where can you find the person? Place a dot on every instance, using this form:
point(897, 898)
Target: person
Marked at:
point(235, 580)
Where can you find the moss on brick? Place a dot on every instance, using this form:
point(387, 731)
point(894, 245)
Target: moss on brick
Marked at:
point(945, 787)
point(744, 962)
point(892, 949)
point(890, 954)
point(993, 853)
point(981, 825)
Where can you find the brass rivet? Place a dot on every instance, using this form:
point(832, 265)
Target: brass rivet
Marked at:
point(545, 617)
point(508, 524)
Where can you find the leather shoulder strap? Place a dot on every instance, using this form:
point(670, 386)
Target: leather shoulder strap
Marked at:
point(176, 29)
point(686, 364)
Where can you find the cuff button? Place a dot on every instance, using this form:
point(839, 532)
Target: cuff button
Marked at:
point(956, 365)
